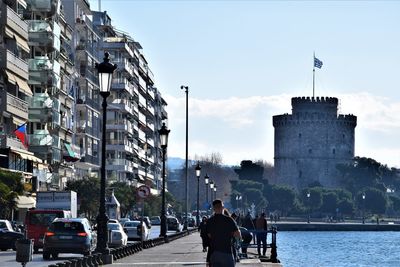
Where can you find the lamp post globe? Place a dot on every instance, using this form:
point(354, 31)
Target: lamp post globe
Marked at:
point(163, 132)
point(206, 179)
point(215, 191)
point(211, 191)
point(198, 173)
point(105, 71)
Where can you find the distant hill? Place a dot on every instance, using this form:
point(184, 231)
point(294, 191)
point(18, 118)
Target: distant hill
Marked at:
point(175, 163)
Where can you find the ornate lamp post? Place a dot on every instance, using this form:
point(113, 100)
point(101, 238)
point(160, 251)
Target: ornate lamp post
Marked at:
point(308, 202)
point(198, 172)
point(206, 179)
point(105, 70)
point(363, 208)
point(186, 88)
point(211, 191)
point(163, 132)
point(215, 191)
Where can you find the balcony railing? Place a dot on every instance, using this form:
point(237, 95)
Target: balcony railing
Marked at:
point(13, 105)
point(47, 7)
point(45, 35)
point(9, 60)
point(15, 22)
point(43, 138)
point(43, 71)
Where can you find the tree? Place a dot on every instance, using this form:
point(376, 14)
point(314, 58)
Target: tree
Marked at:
point(250, 171)
point(346, 206)
point(126, 196)
point(10, 187)
point(88, 191)
point(281, 198)
point(375, 200)
point(329, 202)
point(313, 202)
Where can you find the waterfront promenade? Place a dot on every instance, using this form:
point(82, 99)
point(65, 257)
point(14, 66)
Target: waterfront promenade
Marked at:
point(185, 251)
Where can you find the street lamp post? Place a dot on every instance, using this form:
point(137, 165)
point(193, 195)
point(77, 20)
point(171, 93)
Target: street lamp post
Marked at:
point(215, 191)
point(206, 179)
point(363, 208)
point(198, 172)
point(105, 70)
point(211, 191)
point(163, 132)
point(308, 202)
point(187, 152)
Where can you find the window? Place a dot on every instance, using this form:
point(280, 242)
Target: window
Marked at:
point(309, 151)
point(333, 151)
point(299, 135)
point(89, 146)
point(89, 118)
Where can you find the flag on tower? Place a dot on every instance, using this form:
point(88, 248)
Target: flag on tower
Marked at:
point(20, 132)
point(317, 63)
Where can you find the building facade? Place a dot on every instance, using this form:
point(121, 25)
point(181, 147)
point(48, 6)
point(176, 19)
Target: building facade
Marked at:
point(310, 142)
point(48, 81)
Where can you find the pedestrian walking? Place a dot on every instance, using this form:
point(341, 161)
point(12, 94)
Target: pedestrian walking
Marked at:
point(221, 230)
point(203, 233)
point(261, 227)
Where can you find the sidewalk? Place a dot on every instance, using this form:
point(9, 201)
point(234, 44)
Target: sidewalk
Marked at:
point(185, 251)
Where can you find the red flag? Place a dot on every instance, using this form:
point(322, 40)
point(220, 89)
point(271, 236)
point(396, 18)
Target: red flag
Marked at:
point(20, 132)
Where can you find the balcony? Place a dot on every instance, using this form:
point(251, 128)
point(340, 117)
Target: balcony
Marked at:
point(13, 105)
point(13, 21)
point(44, 35)
point(119, 125)
point(94, 103)
point(120, 145)
point(47, 7)
point(42, 142)
point(142, 119)
point(10, 141)
point(85, 47)
point(43, 108)
point(124, 84)
point(88, 74)
point(44, 72)
point(122, 104)
point(121, 165)
point(13, 63)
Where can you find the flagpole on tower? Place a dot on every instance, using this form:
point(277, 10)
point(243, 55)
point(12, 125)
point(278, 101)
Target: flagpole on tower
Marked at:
point(313, 78)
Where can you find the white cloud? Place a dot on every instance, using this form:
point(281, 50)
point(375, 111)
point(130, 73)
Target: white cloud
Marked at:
point(241, 128)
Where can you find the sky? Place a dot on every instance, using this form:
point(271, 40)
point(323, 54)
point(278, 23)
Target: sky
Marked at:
point(244, 60)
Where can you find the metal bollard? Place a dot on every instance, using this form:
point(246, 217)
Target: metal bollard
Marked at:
point(24, 250)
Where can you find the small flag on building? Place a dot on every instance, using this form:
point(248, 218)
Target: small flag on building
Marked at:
point(20, 132)
point(317, 63)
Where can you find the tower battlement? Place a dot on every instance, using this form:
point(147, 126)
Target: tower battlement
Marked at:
point(308, 99)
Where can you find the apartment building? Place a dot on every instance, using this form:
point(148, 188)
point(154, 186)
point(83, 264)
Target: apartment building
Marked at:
point(132, 138)
point(85, 42)
point(15, 93)
point(50, 78)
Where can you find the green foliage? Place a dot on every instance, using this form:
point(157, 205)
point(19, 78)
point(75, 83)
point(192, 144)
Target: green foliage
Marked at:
point(346, 206)
point(395, 203)
point(329, 202)
point(253, 195)
point(126, 196)
point(375, 200)
point(250, 171)
point(10, 187)
point(88, 191)
point(281, 198)
point(313, 202)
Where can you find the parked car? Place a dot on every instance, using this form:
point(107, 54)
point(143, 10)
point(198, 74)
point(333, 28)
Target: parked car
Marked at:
point(132, 229)
point(117, 235)
point(69, 235)
point(173, 224)
point(112, 221)
point(155, 220)
point(147, 221)
point(8, 236)
point(123, 220)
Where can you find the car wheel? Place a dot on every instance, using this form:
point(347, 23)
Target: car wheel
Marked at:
point(87, 253)
point(46, 255)
point(14, 245)
point(54, 255)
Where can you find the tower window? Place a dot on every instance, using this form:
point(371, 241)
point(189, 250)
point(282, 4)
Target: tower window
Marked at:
point(310, 151)
point(300, 174)
point(299, 135)
point(333, 151)
point(344, 136)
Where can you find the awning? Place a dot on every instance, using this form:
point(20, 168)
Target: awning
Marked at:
point(26, 155)
point(71, 156)
point(22, 43)
point(11, 77)
point(23, 85)
point(18, 121)
point(24, 202)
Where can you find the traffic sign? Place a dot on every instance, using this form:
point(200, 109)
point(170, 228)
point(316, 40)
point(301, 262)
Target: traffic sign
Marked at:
point(143, 191)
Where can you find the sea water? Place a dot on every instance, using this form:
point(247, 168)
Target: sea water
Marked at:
point(337, 249)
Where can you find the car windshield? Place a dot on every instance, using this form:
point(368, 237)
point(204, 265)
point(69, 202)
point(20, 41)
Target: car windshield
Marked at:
point(113, 226)
point(67, 227)
point(131, 224)
point(44, 219)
